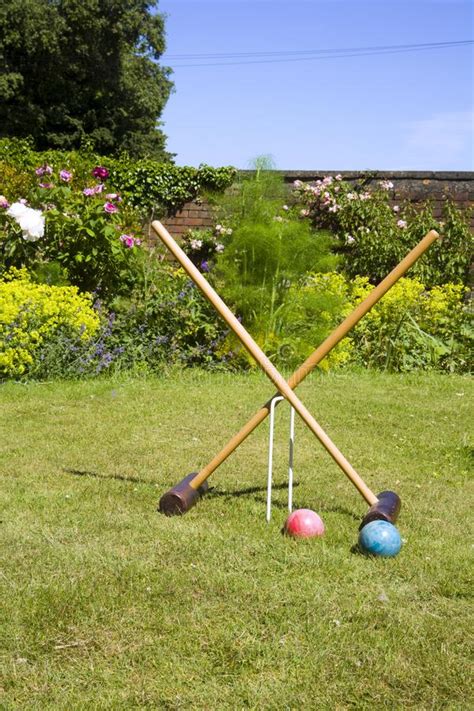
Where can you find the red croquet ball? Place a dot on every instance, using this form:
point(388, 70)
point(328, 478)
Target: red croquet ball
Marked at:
point(304, 523)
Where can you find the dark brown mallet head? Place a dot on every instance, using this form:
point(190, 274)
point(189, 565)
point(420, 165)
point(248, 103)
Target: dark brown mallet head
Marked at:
point(386, 508)
point(181, 497)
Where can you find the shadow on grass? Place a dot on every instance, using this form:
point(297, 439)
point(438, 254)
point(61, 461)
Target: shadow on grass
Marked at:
point(116, 477)
point(339, 510)
point(255, 490)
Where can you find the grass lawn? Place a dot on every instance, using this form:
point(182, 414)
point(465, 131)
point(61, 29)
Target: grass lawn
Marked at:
point(106, 604)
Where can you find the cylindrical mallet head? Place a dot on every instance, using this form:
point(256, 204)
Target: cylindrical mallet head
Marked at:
point(181, 497)
point(386, 508)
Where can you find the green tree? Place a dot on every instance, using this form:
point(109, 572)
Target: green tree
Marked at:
point(71, 69)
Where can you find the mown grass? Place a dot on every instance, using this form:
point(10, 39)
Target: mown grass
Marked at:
point(105, 604)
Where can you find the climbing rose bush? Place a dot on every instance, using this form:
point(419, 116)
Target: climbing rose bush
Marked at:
point(375, 232)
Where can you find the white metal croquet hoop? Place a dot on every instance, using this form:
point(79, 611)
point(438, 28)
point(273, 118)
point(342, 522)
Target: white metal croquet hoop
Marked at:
point(275, 400)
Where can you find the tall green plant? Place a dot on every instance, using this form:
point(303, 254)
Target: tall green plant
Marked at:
point(268, 249)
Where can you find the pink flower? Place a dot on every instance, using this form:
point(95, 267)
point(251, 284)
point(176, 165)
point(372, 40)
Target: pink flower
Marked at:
point(402, 224)
point(65, 175)
point(110, 208)
point(130, 241)
point(100, 172)
point(112, 196)
point(88, 192)
point(99, 188)
point(46, 186)
point(4, 202)
point(44, 170)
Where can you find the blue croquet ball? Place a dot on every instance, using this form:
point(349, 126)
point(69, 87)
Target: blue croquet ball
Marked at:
point(380, 538)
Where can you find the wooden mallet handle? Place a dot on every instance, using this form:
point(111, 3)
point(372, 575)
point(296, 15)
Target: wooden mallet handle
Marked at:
point(264, 362)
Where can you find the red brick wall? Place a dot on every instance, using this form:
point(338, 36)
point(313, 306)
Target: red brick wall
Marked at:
point(193, 215)
point(408, 185)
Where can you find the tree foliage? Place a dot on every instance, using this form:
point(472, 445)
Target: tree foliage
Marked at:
point(76, 69)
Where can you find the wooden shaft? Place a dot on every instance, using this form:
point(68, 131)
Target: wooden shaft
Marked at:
point(264, 362)
point(317, 356)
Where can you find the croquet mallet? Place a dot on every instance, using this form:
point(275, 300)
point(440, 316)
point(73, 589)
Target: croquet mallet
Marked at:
point(185, 494)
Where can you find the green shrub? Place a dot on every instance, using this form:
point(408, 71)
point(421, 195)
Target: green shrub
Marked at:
point(166, 319)
point(32, 314)
point(313, 309)
point(146, 184)
point(162, 187)
point(412, 328)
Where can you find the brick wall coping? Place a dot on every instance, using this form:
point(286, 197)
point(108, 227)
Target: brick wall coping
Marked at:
point(307, 175)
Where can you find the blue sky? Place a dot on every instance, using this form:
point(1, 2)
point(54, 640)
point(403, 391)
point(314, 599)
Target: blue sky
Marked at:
point(404, 111)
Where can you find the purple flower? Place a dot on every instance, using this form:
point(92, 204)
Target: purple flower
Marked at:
point(100, 172)
point(205, 266)
point(65, 175)
point(402, 224)
point(99, 188)
point(110, 208)
point(88, 192)
point(112, 196)
point(4, 202)
point(44, 170)
point(46, 186)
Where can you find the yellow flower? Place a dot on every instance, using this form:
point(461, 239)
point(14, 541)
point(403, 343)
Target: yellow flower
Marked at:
point(31, 313)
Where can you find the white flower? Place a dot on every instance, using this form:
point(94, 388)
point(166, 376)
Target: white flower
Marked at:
point(31, 221)
point(196, 243)
point(396, 208)
point(285, 207)
point(16, 210)
point(402, 224)
point(219, 247)
point(278, 218)
point(304, 213)
point(386, 184)
point(350, 239)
